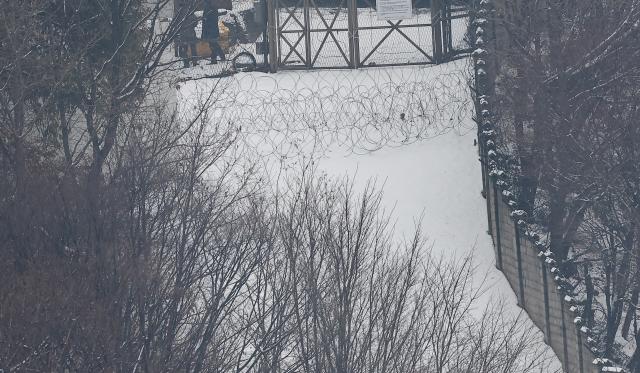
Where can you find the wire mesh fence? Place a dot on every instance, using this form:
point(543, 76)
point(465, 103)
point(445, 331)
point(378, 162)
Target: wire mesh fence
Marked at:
point(352, 33)
point(313, 34)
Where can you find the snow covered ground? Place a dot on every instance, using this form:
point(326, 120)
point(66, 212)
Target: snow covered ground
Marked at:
point(408, 128)
point(347, 122)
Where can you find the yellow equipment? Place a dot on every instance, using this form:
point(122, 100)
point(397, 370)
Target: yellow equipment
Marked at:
point(202, 46)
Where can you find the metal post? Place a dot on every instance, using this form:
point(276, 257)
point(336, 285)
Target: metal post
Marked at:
point(354, 44)
point(447, 37)
point(521, 301)
point(545, 284)
point(356, 35)
point(436, 30)
point(261, 17)
point(565, 349)
point(580, 357)
point(443, 28)
point(265, 33)
point(265, 51)
point(272, 29)
point(307, 33)
point(498, 242)
point(485, 179)
point(482, 152)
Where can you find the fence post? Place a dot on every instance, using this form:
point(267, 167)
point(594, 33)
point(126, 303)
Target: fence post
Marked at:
point(521, 300)
point(486, 186)
point(482, 148)
point(565, 349)
point(580, 362)
point(307, 33)
point(545, 293)
point(272, 28)
point(498, 241)
point(436, 30)
point(354, 43)
point(447, 37)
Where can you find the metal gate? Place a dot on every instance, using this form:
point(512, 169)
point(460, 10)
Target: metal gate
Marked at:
point(311, 34)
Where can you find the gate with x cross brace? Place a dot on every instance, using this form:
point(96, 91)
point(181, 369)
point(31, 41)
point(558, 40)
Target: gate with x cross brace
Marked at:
point(316, 34)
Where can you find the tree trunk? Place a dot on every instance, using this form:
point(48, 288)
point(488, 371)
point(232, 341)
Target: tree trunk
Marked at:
point(631, 310)
point(588, 307)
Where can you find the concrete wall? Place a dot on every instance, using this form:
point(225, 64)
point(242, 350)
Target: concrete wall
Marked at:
point(533, 282)
point(529, 267)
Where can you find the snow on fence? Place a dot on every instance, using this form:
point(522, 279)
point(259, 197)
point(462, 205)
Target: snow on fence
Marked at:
point(541, 288)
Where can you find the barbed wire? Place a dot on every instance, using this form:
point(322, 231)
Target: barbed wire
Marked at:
point(290, 113)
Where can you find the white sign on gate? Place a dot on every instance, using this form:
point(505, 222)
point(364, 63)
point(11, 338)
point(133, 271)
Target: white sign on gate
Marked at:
point(389, 10)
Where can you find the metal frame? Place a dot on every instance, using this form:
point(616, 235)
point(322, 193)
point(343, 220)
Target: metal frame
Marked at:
point(280, 34)
point(286, 43)
point(329, 31)
point(393, 26)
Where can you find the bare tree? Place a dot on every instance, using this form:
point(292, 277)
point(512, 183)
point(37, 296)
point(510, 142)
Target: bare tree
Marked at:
point(566, 109)
point(361, 303)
